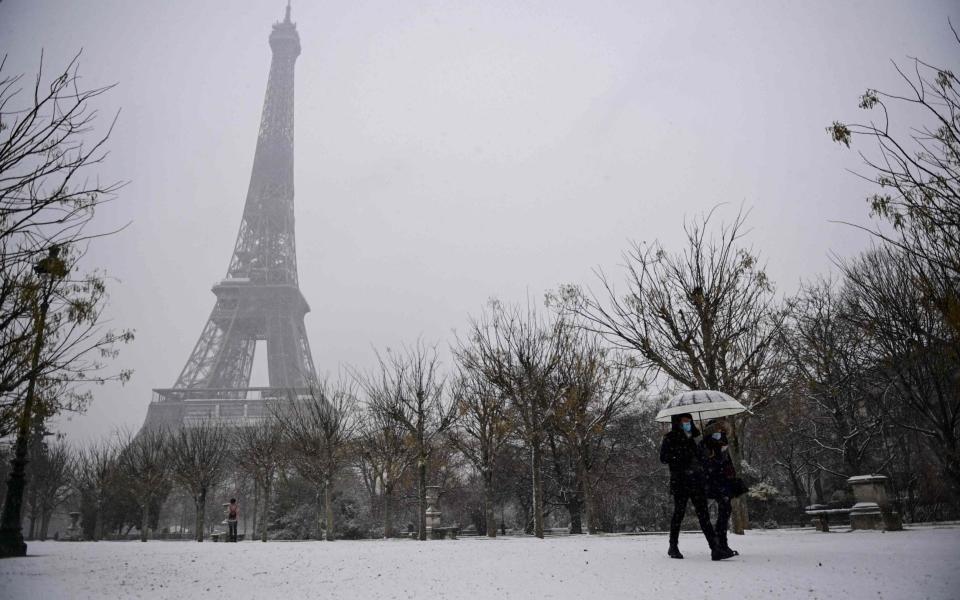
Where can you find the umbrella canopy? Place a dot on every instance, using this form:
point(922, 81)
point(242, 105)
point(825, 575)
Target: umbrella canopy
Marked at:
point(702, 404)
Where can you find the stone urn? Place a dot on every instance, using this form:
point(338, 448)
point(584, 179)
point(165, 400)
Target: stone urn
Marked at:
point(74, 533)
point(872, 510)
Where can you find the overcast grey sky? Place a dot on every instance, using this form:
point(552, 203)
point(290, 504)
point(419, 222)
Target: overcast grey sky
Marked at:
point(447, 152)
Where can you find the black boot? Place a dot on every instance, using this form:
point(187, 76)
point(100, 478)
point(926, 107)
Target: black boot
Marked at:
point(674, 552)
point(723, 544)
point(718, 552)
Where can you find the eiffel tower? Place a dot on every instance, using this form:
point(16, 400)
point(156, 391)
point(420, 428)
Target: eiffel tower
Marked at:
point(260, 298)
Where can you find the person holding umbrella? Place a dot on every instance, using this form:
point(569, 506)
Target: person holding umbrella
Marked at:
point(681, 453)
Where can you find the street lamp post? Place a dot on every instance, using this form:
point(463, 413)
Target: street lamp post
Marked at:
point(11, 536)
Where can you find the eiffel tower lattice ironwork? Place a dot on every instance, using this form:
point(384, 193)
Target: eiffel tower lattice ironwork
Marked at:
point(260, 298)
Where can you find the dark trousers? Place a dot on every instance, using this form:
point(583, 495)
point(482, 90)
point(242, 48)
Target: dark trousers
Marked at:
point(231, 531)
point(723, 518)
point(703, 515)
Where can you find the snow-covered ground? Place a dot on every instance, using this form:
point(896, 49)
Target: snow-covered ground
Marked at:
point(914, 564)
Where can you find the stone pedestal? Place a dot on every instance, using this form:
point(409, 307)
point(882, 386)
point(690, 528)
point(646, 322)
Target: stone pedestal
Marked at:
point(872, 510)
point(819, 520)
point(433, 512)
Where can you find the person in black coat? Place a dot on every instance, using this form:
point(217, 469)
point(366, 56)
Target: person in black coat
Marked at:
point(681, 453)
point(720, 476)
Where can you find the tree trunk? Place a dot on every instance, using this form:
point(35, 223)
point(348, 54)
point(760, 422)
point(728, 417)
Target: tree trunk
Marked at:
point(488, 515)
point(328, 508)
point(144, 520)
point(200, 500)
point(536, 466)
point(256, 501)
point(183, 516)
point(740, 519)
point(799, 494)
point(576, 516)
point(320, 515)
point(387, 512)
point(98, 526)
point(264, 519)
point(818, 486)
point(586, 489)
point(45, 523)
point(422, 497)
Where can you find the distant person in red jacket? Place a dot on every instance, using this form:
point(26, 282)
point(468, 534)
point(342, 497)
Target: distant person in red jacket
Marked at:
point(233, 514)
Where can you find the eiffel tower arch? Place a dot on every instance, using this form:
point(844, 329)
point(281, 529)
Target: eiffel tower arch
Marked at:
point(260, 298)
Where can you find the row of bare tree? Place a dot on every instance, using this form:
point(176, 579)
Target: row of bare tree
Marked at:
point(539, 409)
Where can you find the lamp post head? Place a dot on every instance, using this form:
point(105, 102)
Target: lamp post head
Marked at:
point(52, 264)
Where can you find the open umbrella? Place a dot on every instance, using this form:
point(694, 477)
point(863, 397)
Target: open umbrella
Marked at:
point(702, 404)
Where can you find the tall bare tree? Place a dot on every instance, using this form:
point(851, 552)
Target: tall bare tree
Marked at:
point(258, 450)
point(199, 455)
point(518, 352)
point(705, 317)
point(597, 385)
point(51, 333)
point(318, 429)
point(96, 472)
point(384, 456)
point(48, 198)
point(484, 426)
point(145, 461)
point(409, 389)
point(830, 359)
point(918, 172)
point(915, 359)
point(911, 288)
point(50, 483)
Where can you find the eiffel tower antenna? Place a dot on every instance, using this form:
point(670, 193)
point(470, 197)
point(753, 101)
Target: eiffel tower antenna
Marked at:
point(259, 299)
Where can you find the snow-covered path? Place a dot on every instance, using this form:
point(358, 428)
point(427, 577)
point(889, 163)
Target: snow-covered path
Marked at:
point(914, 564)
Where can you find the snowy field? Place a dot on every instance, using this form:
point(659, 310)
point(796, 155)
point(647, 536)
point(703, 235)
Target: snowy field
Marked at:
point(915, 564)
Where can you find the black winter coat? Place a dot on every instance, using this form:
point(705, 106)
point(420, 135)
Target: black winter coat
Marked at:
point(718, 467)
point(682, 454)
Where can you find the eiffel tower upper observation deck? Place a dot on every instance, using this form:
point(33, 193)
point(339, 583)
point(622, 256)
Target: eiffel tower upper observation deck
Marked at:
point(259, 299)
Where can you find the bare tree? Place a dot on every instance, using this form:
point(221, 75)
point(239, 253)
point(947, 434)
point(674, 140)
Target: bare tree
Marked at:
point(915, 359)
point(914, 291)
point(48, 198)
point(318, 429)
point(518, 352)
point(145, 463)
point(384, 457)
point(50, 483)
point(706, 317)
point(484, 426)
point(918, 172)
point(96, 469)
point(409, 389)
point(51, 333)
point(258, 450)
point(597, 386)
point(199, 454)
point(909, 290)
point(784, 444)
point(830, 360)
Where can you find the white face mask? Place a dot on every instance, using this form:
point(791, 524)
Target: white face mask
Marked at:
point(717, 435)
